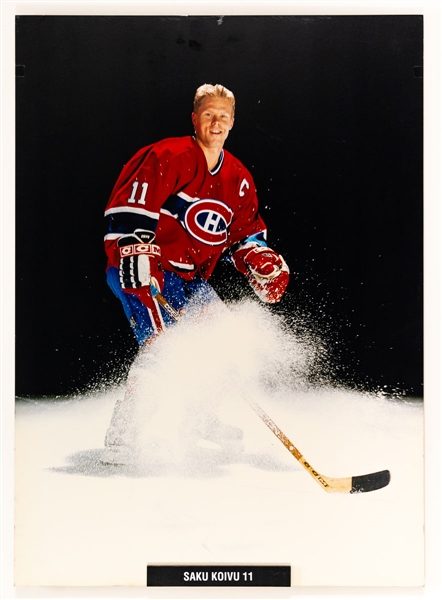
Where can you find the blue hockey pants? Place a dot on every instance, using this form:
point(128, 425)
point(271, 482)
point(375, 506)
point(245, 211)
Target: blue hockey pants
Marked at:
point(177, 291)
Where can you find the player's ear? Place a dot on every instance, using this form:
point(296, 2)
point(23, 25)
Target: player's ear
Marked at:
point(231, 124)
point(194, 118)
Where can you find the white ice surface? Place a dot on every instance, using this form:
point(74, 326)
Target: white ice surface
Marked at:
point(79, 522)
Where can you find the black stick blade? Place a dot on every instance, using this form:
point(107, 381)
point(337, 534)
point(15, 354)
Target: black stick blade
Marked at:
point(369, 483)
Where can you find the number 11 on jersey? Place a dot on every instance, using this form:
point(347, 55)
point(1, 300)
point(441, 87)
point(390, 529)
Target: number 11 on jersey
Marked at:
point(142, 199)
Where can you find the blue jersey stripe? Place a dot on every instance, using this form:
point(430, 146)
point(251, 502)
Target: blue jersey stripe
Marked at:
point(127, 222)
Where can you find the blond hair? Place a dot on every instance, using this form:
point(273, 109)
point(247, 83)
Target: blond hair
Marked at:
point(213, 91)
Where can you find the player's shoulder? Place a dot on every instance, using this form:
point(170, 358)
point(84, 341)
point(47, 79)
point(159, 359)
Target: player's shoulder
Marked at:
point(234, 164)
point(173, 145)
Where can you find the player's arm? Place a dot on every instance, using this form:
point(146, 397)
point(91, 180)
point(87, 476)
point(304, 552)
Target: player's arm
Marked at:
point(132, 216)
point(265, 269)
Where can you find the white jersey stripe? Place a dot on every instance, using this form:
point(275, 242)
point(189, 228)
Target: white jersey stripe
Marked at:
point(113, 236)
point(181, 265)
point(138, 211)
point(164, 211)
point(184, 196)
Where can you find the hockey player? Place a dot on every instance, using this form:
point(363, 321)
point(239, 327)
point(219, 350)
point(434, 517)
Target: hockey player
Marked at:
point(177, 207)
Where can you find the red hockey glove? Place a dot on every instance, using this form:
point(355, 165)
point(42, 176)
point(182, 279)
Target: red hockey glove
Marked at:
point(266, 271)
point(140, 265)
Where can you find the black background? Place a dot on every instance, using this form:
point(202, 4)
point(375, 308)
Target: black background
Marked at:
point(329, 120)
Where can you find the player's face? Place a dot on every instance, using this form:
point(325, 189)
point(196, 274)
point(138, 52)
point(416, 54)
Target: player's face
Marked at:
point(213, 121)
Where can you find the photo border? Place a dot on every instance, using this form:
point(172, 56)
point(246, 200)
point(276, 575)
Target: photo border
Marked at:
point(432, 271)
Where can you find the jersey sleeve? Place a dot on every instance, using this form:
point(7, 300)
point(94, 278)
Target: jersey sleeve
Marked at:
point(143, 186)
point(248, 227)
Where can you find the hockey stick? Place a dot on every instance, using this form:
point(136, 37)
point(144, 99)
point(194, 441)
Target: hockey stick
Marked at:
point(341, 485)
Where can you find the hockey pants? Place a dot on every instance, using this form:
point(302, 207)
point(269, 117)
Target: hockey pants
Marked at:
point(177, 291)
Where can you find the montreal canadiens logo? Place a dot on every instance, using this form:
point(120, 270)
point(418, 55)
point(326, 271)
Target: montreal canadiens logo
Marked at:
point(208, 221)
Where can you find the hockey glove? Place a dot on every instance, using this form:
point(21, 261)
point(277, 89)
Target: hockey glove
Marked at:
point(266, 271)
point(140, 265)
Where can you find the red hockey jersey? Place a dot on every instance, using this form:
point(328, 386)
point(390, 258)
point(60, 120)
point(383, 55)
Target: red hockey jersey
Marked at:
point(196, 214)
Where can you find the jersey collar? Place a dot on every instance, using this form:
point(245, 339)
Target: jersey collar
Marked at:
point(219, 164)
